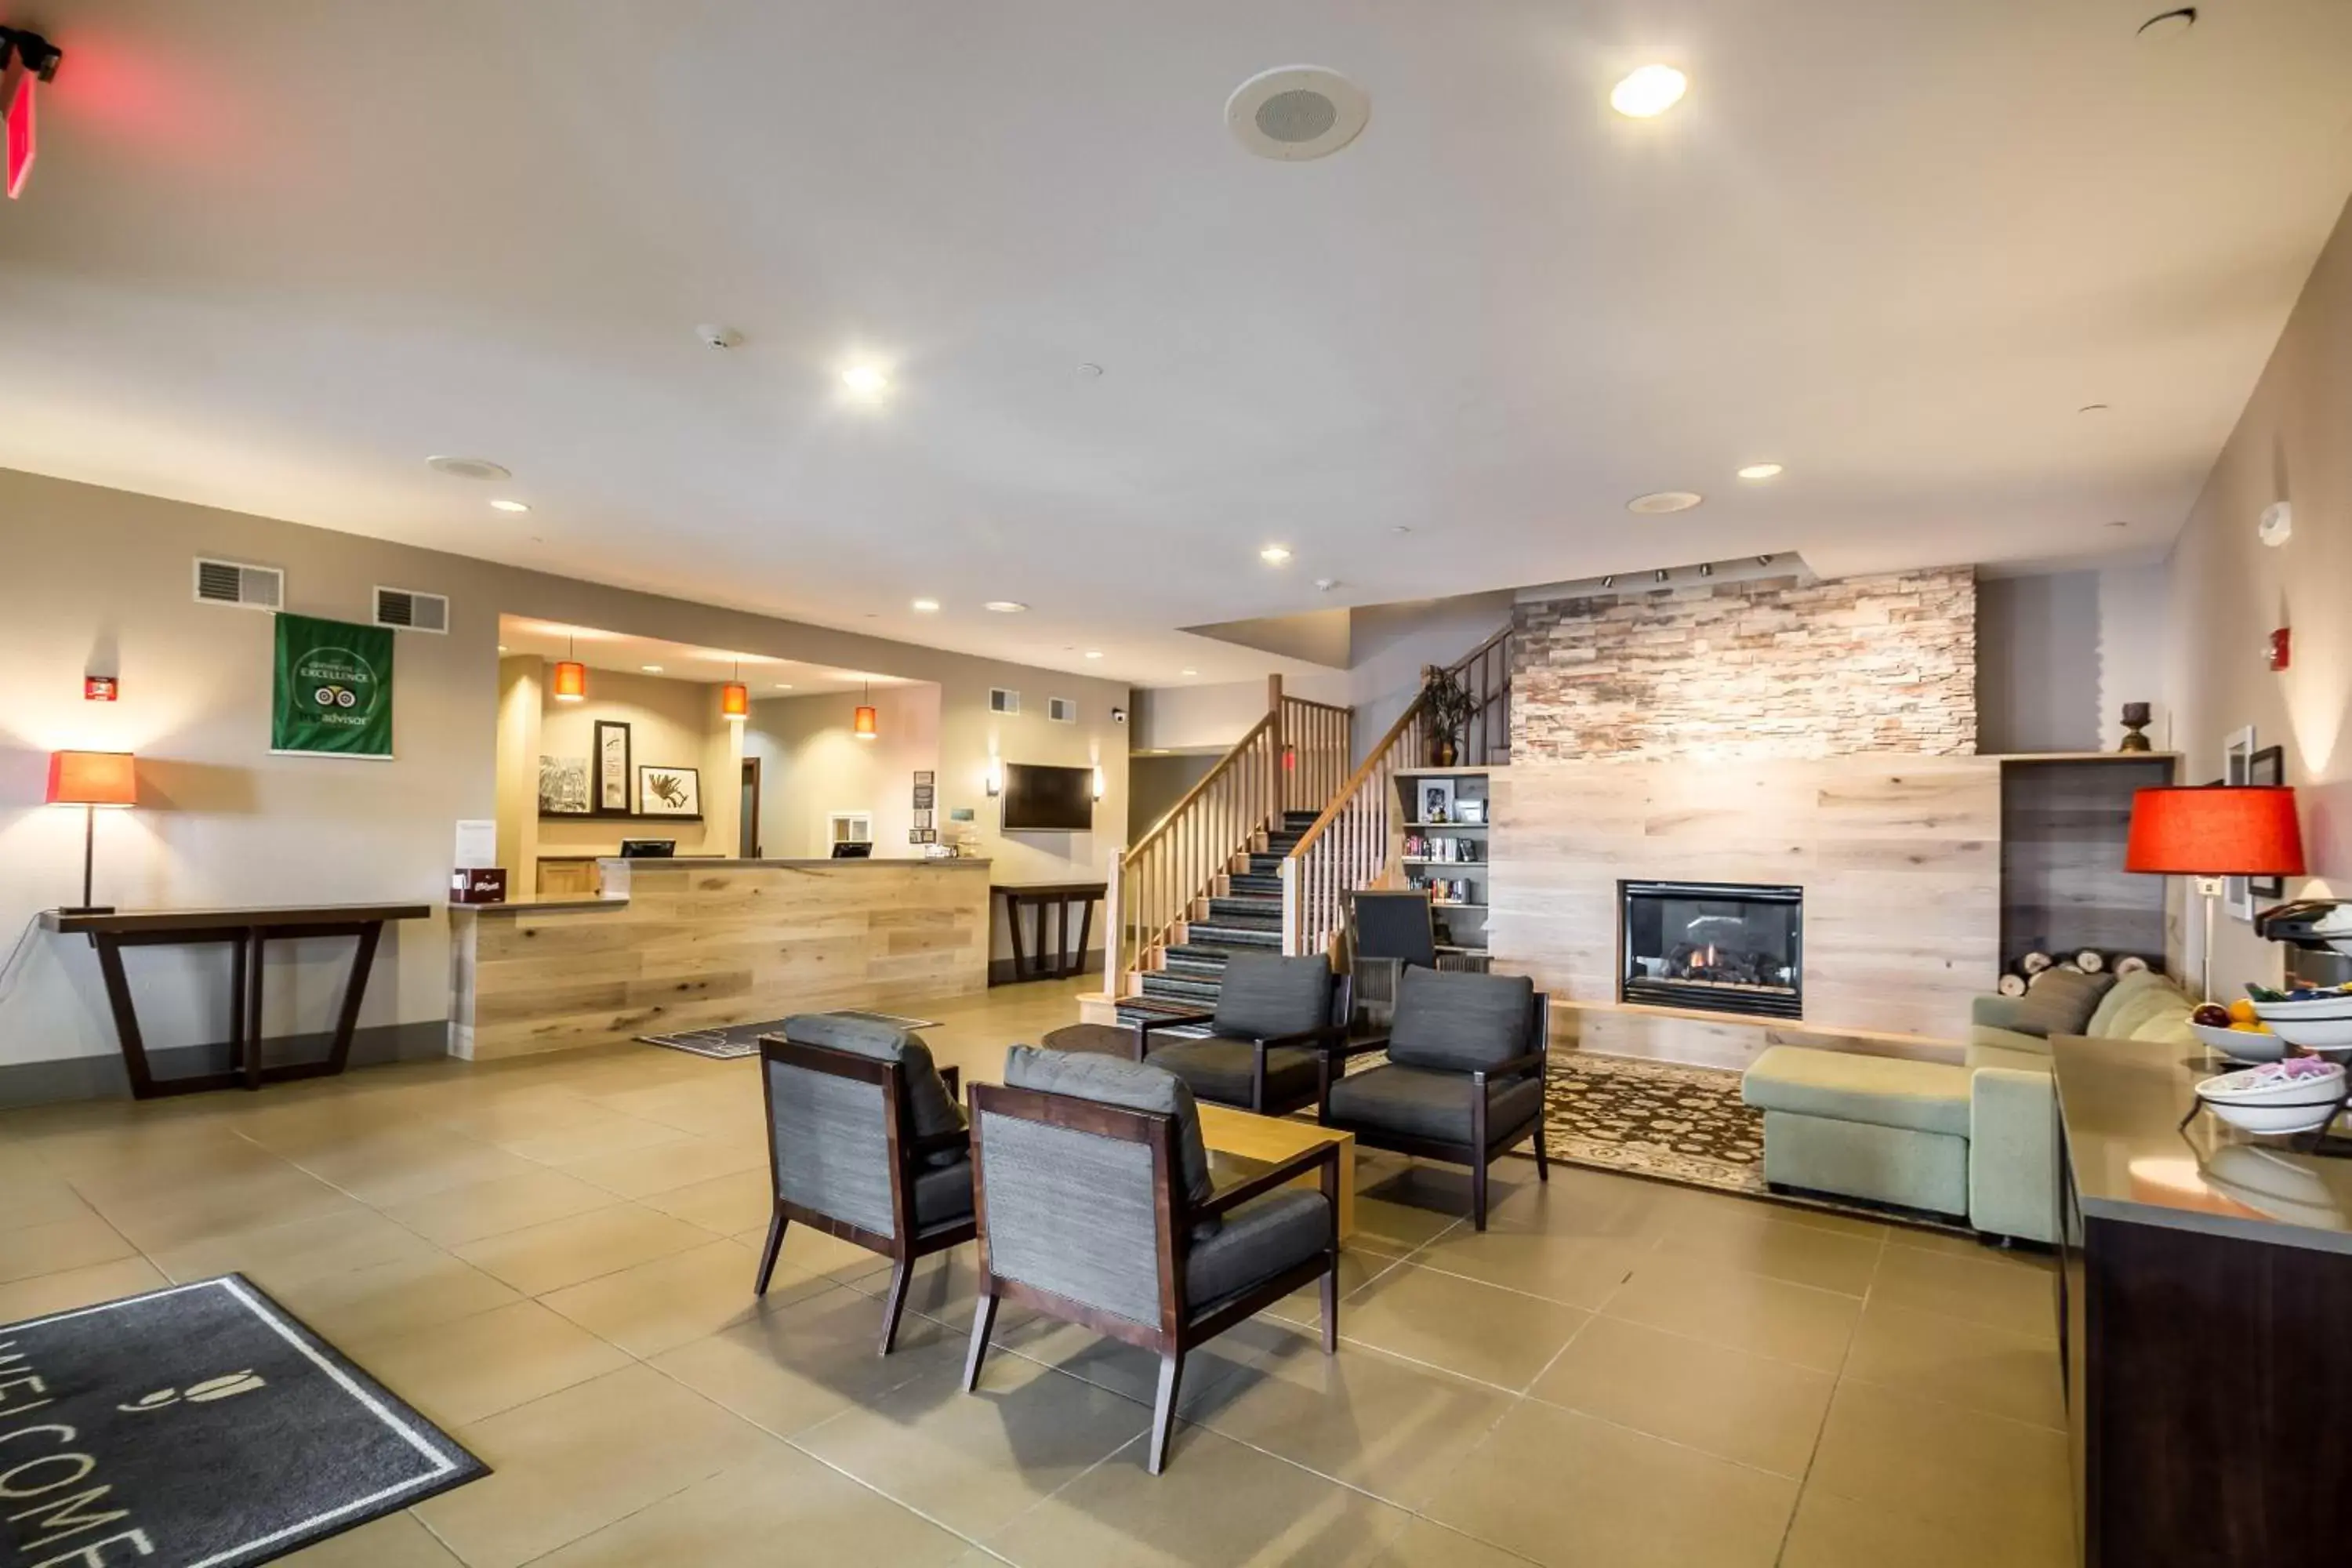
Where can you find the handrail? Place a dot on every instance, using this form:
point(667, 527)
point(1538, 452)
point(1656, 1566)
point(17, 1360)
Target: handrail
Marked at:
point(1356, 780)
point(1189, 795)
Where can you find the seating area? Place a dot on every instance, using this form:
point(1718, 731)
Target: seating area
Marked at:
point(1193, 788)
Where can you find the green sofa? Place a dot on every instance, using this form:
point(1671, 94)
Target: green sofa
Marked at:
point(1971, 1140)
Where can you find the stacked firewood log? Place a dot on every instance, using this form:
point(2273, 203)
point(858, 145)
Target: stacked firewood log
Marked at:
point(2021, 976)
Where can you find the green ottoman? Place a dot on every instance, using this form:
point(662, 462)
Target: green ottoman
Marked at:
point(1874, 1128)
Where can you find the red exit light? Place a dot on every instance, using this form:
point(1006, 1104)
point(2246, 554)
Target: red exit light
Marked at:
point(20, 133)
point(27, 61)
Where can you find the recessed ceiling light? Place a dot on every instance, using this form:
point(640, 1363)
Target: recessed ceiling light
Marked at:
point(1274, 554)
point(1188, 672)
point(1324, 584)
point(1005, 606)
point(1661, 501)
point(783, 686)
point(927, 605)
point(511, 505)
point(1094, 653)
point(1650, 90)
point(469, 468)
point(865, 383)
point(1760, 471)
point(650, 669)
point(503, 648)
point(1091, 370)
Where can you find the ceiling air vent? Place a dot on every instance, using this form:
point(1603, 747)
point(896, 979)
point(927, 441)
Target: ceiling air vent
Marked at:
point(1061, 710)
point(1000, 700)
point(412, 611)
point(233, 582)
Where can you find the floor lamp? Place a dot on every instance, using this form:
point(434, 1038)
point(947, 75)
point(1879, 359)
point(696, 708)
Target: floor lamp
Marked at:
point(89, 780)
point(2214, 831)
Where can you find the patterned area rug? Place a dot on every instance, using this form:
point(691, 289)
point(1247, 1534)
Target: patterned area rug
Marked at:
point(1676, 1124)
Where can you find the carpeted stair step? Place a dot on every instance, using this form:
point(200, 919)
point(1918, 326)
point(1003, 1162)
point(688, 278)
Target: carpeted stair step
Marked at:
point(1175, 986)
point(1265, 865)
point(1255, 885)
point(1246, 910)
point(1197, 961)
point(1133, 1010)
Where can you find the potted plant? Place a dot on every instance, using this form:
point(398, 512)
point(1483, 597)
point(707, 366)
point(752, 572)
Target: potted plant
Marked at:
point(1448, 705)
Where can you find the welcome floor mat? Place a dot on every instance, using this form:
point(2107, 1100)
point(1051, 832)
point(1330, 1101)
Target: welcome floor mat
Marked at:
point(743, 1039)
point(198, 1427)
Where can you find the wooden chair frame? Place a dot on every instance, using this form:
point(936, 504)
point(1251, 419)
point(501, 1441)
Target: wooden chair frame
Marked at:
point(906, 1152)
point(1483, 1149)
point(1327, 1038)
point(1177, 1333)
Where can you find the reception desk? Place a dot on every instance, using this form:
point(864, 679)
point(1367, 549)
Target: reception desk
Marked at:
point(685, 944)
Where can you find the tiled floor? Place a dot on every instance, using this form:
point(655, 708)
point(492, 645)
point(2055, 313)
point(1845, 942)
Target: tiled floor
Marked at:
point(553, 1259)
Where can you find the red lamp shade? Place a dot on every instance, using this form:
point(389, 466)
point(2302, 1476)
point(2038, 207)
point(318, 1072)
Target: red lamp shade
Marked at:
point(570, 680)
point(862, 725)
point(735, 700)
point(91, 778)
point(2235, 830)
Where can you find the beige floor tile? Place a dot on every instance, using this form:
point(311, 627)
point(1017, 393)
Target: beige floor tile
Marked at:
point(608, 1135)
point(282, 1257)
point(538, 1258)
point(1412, 1203)
point(974, 1461)
point(1581, 1201)
point(460, 1214)
point(674, 1301)
point(1959, 1362)
point(1740, 1310)
point(1217, 1501)
point(197, 1206)
point(573, 1462)
point(1945, 1242)
point(1392, 1427)
point(411, 1161)
point(669, 1165)
point(1124, 1369)
point(1360, 1263)
point(1726, 1403)
point(1832, 1532)
point(810, 1360)
point(395, 1540)
point(1908, 1456)
point(28, 1199)
point(75, 1242)
point(460, 1372)
point(1564, 1488)
point(1756, 1239)
point(1693, 1210)
point(388, 1298)
point(726, 1205)
point(811, 1251)
point(1579, 1271)
point(782, 1508)
point(42, 1294)
point(1479, 1331)
point(2003, 1293)
point(1424, 1544)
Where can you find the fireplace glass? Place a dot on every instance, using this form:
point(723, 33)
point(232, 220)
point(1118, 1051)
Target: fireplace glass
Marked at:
point(1727, 947)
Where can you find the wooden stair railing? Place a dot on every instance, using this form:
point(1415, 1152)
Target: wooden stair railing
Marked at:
point(1315, 737)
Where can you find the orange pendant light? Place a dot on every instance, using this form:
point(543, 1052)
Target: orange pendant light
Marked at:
point(864, 726)
point(735, 698)
point(570, 677)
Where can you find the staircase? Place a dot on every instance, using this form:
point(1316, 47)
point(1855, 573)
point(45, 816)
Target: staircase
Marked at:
point(1246, 916)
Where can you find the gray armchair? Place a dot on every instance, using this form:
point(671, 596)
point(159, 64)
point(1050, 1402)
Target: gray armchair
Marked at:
point(865, 1143)
point(1275, 1017)
point(1096, 1208)
point(1463, 1082)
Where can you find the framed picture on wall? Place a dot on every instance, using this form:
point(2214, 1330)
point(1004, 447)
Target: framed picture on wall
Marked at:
point(564, 787)
point(668, 792)
point(612, 766)
point(2267, 766)
point(2238, 768)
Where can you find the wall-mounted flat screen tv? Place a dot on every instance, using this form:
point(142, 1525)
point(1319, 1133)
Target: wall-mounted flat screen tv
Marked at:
point(1048, 800)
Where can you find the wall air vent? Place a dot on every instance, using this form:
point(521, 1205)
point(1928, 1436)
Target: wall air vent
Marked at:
point(1000, 700)
point(412, 611)
point(1062, 709)
point(233, 582)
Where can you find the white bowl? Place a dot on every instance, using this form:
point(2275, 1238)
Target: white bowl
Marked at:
point(2318, 1008)
point(2240, 1045)
point(2278, 1119)
point(2257, 1086)
point(2327, 1036)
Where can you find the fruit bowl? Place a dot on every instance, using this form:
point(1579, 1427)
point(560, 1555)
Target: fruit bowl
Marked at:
point(2278, 1098)
point(2240, 1045)
point(2324, 1024)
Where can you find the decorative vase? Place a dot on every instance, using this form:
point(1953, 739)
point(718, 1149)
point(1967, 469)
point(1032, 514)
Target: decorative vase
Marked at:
point(1442, 752)
point(2134, 721)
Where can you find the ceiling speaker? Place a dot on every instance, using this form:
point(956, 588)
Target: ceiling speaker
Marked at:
point(1296, 113)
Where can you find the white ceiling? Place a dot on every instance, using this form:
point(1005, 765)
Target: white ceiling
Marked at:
point(601, 649)
point(275, 254)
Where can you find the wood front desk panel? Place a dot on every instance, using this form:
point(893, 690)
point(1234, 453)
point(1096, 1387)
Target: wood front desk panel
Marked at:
point(698, 944)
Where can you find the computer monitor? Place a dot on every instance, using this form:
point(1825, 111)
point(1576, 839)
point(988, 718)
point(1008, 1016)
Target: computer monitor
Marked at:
point(852, 851)
point(648, 848)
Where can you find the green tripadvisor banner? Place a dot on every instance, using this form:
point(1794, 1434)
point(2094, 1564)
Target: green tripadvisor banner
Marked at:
point(332, 692)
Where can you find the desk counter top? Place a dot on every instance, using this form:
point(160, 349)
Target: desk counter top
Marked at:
point(242, 917)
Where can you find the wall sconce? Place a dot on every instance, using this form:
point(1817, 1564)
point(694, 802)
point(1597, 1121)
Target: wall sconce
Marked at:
point(1099, 784)
point(993, 780)
point(571, 675)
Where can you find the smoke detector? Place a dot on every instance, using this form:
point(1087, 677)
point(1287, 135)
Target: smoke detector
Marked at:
point(2276, 525)
point(1293, 113)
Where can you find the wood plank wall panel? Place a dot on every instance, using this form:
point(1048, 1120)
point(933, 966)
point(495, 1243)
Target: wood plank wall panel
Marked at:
point(2063, 826)
point(1899, 858)
point(695, 948)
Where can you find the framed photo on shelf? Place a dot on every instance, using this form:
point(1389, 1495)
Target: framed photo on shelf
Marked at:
point(612, 766)
point(668, 792)
point(1433, 800)
point(1471, 811)
point(564, 787)
point(2267, 766)
point(2236, 768)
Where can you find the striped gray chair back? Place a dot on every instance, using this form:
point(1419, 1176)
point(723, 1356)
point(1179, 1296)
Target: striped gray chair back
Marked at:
point(1071, 1197)
point(829, 1146)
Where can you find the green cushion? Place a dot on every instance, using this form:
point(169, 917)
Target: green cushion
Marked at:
point(2150, 1006)
point(2169, 1027)
point(1841, 1086)
point(2126, 989)
point(1987, 1054)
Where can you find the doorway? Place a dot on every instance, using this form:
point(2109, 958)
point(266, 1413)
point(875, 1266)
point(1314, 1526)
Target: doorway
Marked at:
point(749, 818)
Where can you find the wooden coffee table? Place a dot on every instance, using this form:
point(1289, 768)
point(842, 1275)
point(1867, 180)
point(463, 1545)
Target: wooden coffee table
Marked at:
point(1244, 1135)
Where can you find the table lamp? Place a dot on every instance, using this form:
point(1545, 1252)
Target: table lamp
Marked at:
point(2213, 831)
point(89, 780)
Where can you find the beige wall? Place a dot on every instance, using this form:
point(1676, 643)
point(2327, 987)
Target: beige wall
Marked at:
point(672, 723)
point(811, 764)
point(101, 580)
point(2293, 443)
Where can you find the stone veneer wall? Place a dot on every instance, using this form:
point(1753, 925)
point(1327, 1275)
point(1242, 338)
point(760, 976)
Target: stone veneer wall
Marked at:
point(1767, 667)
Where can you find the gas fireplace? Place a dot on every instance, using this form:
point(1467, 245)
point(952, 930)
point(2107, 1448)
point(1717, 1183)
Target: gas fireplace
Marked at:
point(1727, 947)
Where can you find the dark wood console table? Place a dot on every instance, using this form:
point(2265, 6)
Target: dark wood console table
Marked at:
point(248, 932)
point(2205, 1283)
point(1064, 962)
